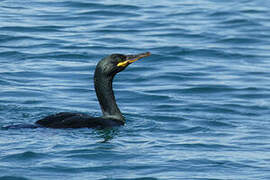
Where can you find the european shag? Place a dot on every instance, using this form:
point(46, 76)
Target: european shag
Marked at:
point(105, 71)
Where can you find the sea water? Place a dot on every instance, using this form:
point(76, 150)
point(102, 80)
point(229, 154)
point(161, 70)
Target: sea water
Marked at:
point(198, 108)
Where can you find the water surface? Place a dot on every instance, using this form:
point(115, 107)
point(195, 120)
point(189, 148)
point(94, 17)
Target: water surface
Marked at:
point(198, 108)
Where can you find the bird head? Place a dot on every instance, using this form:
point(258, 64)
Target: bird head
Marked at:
point(115, 63)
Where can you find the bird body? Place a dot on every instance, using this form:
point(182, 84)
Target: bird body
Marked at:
point(105, 71)
point(77, 120)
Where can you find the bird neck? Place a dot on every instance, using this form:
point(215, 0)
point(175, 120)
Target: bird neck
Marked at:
point(105, 95)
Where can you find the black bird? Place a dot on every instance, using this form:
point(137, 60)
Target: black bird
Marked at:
point(105, 71)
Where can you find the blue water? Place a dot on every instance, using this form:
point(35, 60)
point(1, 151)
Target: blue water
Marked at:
point(198, 108)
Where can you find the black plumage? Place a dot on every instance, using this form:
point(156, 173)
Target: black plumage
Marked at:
point(105, 71)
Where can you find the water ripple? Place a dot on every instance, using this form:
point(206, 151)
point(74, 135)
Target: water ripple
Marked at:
point(198, 108)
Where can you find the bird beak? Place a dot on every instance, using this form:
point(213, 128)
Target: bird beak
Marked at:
point(132, 58)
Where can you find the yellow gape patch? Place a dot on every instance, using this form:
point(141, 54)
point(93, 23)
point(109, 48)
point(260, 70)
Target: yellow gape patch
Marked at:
point(125, 63)
point(122, 63)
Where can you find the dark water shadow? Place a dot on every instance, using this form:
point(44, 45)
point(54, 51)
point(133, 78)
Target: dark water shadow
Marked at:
point(107, 134)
